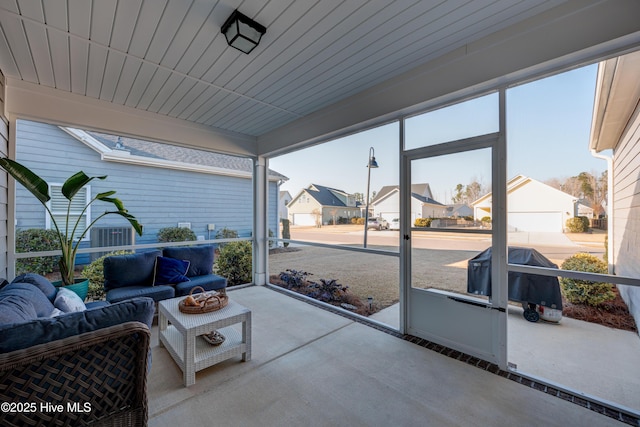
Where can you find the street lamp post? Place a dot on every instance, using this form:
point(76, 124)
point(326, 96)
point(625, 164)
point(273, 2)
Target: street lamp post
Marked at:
point(372, 164)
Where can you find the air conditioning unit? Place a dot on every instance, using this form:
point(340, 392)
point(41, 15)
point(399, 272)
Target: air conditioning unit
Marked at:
point(110, 236)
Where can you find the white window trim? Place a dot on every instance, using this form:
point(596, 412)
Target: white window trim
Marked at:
point(49, 224)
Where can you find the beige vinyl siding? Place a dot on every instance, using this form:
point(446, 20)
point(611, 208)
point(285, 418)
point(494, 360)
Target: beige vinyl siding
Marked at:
point(626, 211)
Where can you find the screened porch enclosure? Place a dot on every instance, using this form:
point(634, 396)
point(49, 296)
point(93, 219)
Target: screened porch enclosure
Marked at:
point(162, 72)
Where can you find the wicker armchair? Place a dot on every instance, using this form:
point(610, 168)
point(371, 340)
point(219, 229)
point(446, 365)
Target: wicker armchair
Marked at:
point(96, 378)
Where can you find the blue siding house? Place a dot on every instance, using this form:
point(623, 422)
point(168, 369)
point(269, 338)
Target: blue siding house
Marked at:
point(162, 185)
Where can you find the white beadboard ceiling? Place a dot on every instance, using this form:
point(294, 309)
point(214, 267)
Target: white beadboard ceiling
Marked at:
point(168, 56)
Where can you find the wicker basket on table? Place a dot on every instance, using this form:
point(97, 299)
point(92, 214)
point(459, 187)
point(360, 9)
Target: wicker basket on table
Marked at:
point(203, 302)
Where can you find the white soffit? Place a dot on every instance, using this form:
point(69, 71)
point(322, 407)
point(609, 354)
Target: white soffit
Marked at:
point(617, 98)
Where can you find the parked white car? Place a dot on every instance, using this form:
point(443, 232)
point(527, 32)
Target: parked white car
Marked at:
point(378, 223)
point(394, 224)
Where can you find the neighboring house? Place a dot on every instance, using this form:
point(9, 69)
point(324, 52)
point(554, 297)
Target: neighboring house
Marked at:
point(584, 208)
point(386, 204)
point(616, 126)
point(162, 185)
point(318, 205)
point(532, 206)
point(283, 200)
point(458, 210)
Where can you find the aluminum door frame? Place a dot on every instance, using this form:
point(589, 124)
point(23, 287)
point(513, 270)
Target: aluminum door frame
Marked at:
point(463, 311)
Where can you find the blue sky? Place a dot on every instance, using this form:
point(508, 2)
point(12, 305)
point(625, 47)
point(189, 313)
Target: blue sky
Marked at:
point(548, 124)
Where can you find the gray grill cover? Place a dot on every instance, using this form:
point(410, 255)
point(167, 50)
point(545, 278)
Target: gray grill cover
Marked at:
point(523, 287)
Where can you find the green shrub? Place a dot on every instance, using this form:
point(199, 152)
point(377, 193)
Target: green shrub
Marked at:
point(35, 240)
point(95, 273)
point(176, 234)
point(582, 291)
point(235, 262)
point(225, 233)
point(578, 224)
point(286, 230)
point(486, 219)
point(585, 222)
point(423, 222)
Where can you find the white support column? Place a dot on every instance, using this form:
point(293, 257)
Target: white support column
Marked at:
point(499, 210)
point(405, 230)
point(260, 218)
point(11, 204)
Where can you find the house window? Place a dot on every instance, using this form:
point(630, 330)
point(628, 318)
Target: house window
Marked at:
point(59, 204)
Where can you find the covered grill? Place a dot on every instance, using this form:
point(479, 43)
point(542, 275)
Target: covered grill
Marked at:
point(534, 291)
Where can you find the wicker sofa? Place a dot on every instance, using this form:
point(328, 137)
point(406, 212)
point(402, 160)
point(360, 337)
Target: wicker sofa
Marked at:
point(161, 275)
point(93, 362)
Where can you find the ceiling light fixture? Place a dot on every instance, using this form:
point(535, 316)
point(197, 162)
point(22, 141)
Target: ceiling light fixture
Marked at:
point(242, 32)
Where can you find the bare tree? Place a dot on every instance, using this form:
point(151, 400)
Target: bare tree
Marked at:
point(587, 186)
point(473, 192)
point(468, 193)
point(555, 183)
point(318, 215)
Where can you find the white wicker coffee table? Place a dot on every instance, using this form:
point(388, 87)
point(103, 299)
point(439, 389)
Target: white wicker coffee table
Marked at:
point(179, 334)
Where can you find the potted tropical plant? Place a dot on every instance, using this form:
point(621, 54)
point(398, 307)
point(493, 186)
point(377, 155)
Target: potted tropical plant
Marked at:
point(69, 241)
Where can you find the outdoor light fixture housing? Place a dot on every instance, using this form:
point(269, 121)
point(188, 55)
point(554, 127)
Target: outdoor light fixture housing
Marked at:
point(242, 32)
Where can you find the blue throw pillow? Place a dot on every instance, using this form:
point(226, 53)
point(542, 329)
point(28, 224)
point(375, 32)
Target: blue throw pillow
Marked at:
point(170, 271)
point(31, 295)
point(16, 309)
point(40, 282)
point(199, 257)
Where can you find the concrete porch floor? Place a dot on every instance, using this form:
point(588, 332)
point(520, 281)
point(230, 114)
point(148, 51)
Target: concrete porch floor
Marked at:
point(583, 357)
point(312, 367)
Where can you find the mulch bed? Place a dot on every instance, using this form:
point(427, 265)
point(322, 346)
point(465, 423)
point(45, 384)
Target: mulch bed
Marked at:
point(281, 250)
point(613, 314)
point(347, 300)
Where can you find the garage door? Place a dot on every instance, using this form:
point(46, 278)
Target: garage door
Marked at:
point(535, 221)
point(304, 219)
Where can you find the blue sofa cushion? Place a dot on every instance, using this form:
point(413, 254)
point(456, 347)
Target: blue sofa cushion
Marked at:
point(32, 295)
point(129, 270)
point(34, 332)
point(157, 293)
point(169, 271)
point(199, 257)
point(15, 309)
point(209, 282)
point(40, 282)
point(96, 304)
